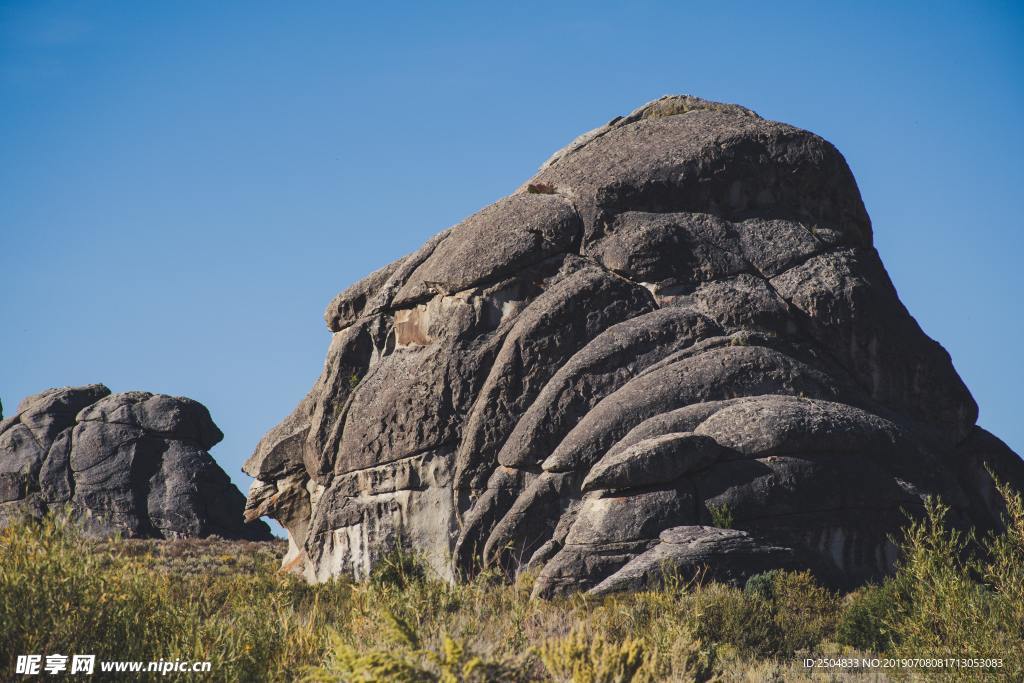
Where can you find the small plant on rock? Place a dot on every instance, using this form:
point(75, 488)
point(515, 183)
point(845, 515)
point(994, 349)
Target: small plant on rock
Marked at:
point(721, 515)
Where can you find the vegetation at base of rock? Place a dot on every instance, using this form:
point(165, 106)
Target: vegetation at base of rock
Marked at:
point(953, 595)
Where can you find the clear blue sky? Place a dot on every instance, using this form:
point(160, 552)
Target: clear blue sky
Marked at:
point(185, 185)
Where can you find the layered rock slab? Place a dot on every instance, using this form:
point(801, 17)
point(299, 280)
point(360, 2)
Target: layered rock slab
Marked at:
point(679, 321)
point(135, 463)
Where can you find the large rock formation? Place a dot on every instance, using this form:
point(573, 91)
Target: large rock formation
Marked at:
point(134, 462)
point(678, 323)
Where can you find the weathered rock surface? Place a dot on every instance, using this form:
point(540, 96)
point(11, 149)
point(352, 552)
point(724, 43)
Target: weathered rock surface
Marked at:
point(679, 321)
point(133, 462)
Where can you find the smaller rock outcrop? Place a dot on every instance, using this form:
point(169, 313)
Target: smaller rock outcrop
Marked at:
point(132, 462)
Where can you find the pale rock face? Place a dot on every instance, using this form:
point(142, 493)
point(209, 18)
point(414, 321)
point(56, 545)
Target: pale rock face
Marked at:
point(680, 319)
point(135, 463)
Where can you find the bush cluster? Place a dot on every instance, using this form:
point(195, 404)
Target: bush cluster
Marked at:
point(60, 592)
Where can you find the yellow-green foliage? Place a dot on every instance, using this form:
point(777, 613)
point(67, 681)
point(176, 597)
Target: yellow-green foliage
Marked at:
point(132, 600)
point(60, 593)
point(408, 661)
point(1004, 570)
point(721, 515)
point(952, 597)
point(803, 612)
point(864, 620)
point(578, 658)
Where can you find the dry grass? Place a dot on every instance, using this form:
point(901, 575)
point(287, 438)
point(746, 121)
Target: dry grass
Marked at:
point(226, 602)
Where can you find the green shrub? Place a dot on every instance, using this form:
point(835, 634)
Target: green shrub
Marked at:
point(865, 619)
point(411, 662)
point(579, 658)
point(954, 598)
point(399, 569)
point(722, 614)
point(1003, 568)
point(761, 585)
point(721, 516)
point(776, 614)
point(803, 611)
